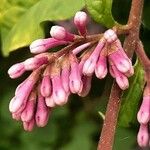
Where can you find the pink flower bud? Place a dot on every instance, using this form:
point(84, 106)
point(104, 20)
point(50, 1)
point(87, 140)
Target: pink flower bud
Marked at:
point(121, 79)
point(143, 136)
point(35, 62)
point(60, 33)
point(42, 112)
point(143, 115)
point(28, 112)
point(90, 63)
point(110, 36)
point(50, 101)
point(75, 82)
point(86, 86)
point(80, 20)
point(101, 67)
point(16, 70)
point(80, 48)
point(16, 116)
point(28, 126)
point(65, 79)
point(59, 94)
point(22, 95)
point(42, 45)
point(46, 88)
point(122, 63)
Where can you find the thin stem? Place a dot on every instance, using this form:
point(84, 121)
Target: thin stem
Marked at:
point(110, 123)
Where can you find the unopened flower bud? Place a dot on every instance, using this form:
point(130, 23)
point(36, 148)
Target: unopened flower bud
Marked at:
point(42, 45)
point(143, 136)
point(28, 126)
point(143, 115)
point(90, 63)
point(80, 20)
point(110, 36)
point(42, 112)
point(121, 79)
point(34, 62)
point(75, 82)
point(101, 67)
point(60, 33)
point(28, 112)
point(16, 70)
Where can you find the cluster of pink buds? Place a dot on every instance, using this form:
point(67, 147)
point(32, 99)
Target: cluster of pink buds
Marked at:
point(55, 75)
point(143, 117)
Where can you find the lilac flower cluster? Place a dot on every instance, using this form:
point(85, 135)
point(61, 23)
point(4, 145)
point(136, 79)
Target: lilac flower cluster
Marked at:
point(55, 75)
point(143, 117)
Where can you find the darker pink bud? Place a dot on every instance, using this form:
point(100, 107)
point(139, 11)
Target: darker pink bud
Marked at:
point(42, 45)
point(28, 126)
point(16, 116)
point(90, 64)
point(16, 70)
point(75, 82)
point(46, 88)
point(143, 115)
point(80, 20)
point(143, 136)
point(121, 79)
point(65, 73)
point(60, 33)
point(42, 112)
point(28, 112)
point(86, 86)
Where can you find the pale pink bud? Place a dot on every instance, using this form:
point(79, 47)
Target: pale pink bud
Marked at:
point(110, 36)
point(50, 101)
point(75, 81)
point(42, 112)
point(46, 88)
point(130, 72)
point(16, 70)
point(101, 67)
point(143, 115)
point(35, 62)
point(28, 112)
point(42, 45)
point(65, 73)
point(22, 96)
point(80, 20)
point(121, 79)
point(143, 136)
point(59, 94)
point(60, 33)
point(80, 48)
point(28, 126)
point(122, 63)
point(86, 86)
point(90, 64)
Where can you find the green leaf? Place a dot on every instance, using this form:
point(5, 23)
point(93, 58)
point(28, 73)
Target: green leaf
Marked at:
point(100, 11)
point(131, 97)
point(146, 13)
point(11, 12)
point(29, 28)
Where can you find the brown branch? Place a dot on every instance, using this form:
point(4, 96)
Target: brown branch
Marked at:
point(108, 131)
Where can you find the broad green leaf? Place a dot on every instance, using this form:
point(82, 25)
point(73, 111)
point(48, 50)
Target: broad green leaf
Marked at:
point(100, 11)
point(29, 28)
point(11, 12)
point(131, 97)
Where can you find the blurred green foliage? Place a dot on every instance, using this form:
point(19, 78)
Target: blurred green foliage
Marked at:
point(76, 125)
